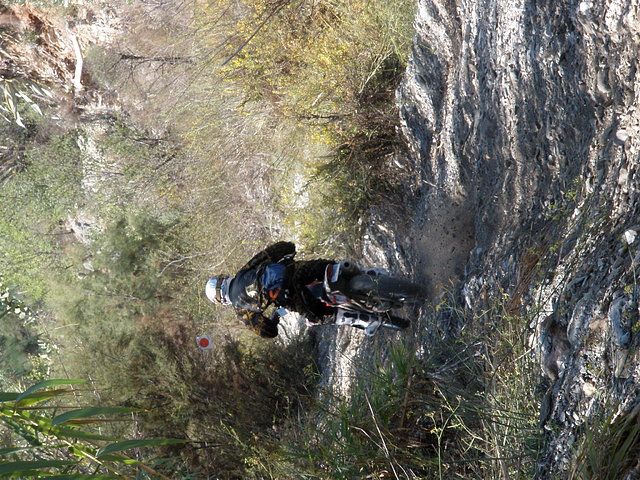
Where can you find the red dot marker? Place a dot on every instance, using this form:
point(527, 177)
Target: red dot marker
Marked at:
point(204, 342)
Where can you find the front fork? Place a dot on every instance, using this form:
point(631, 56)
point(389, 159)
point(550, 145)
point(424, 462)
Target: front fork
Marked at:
point(336, 278)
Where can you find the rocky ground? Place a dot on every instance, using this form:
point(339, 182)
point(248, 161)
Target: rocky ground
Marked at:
point(522, 120)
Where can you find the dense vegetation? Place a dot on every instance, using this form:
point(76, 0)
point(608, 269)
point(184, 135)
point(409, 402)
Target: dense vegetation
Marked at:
point(110, 223)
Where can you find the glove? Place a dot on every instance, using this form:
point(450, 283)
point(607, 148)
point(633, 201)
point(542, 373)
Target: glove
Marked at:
point(274, 319)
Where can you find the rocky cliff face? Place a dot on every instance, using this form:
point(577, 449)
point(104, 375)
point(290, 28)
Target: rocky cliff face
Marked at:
point(523, 118)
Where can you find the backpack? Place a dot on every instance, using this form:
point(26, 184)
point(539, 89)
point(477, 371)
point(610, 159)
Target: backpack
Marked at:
point(273, 283)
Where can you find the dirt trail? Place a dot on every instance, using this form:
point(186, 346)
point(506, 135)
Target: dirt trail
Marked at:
point(443, 240)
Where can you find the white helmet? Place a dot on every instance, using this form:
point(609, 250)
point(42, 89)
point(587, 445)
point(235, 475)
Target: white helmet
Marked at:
point(217, 289)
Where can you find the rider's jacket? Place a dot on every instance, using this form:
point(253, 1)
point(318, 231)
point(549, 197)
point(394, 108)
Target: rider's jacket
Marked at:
point(250, 296)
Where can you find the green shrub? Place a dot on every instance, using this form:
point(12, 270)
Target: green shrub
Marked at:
point(18, 341)
point(45, 438)
point(35, 201)
point(307, 89)
point(340, 49)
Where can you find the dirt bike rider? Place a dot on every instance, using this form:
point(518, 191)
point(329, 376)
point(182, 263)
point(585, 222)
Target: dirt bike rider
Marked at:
point(271, 278)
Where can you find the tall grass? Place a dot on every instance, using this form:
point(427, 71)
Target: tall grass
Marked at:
point(608, 447)
point(461, 408)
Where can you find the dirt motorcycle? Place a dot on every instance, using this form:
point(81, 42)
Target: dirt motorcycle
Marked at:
point(365, 298)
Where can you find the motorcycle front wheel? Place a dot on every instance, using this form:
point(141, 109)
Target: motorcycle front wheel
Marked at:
point(382, 288)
